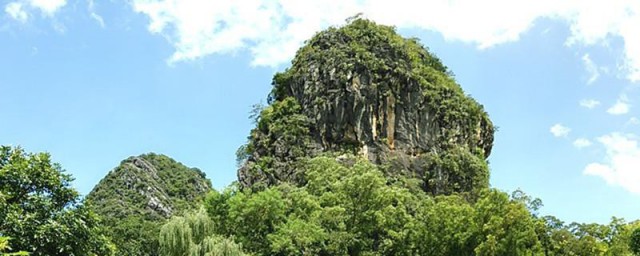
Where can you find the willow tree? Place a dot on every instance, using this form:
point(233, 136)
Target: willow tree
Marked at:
point(193, 235)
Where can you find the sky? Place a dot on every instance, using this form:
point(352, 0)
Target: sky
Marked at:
point(94, 82)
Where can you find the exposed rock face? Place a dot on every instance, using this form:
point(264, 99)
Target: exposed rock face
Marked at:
point(364, 89)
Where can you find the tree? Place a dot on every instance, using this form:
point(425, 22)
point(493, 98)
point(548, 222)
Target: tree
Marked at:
point(40, 210)
point(193, 235)
point(445, 227)
point(255, 215)
point(634, 241)
point(505, 227)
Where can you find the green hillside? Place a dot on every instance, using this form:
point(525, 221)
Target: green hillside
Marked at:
point(137, 196)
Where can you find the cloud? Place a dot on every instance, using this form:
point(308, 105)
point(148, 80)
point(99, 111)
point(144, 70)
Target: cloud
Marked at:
point(20, 9)
point(591, 68)
point(16, 11)
point(273, 30)
point(594, 22)
point(558, 130)
point(47, 7)
point(581, 143)
point(589, 103)
point(94, 15)
point(621, 106)
point(634, 121)
point(98, 19)
point(620, 165)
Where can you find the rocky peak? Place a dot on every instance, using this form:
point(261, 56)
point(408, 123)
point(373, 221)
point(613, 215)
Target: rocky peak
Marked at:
point(364, 89)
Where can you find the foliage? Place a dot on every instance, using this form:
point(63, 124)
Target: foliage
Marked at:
point(41, 211)
point(348, 207)
point(505, 227)
point(353, 209)
point(4, 246)
point(454, 170)
point(192, 235)
point(280, 139)
point(634, 241)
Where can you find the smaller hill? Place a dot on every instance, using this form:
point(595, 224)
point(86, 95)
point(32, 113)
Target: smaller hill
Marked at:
point(137, 196)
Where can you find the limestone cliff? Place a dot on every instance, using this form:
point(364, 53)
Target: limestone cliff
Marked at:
point(362, 88)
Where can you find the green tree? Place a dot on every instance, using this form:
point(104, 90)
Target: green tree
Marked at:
point(193, 235)
point(634, 241)
point(446, 227)
point(255, 215)
point(42, 212)
point(505, 227)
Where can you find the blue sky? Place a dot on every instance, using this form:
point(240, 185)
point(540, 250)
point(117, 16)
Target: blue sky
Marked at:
point(95, 82)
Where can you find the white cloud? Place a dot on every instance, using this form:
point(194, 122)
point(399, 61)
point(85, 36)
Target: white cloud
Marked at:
point(48, 7)
point(620, 166)
point(621, 106)
point(20, 9)
point(94, 15)
point(273, 30)
point(593, 22)
point(559, 130)
point(634, 121)
point(581, 143)
point(589, 103)
point(591, 68)
point(16, 11)
point(98, 19)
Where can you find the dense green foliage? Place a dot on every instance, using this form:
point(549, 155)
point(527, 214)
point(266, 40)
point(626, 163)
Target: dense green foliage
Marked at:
point(634, 241)
point(348, 207)
point(193, 235)
point(4, 247)
point(41, 212)
point(137, 197)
